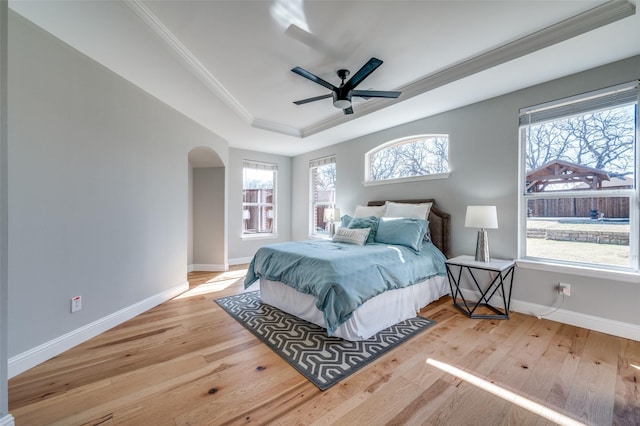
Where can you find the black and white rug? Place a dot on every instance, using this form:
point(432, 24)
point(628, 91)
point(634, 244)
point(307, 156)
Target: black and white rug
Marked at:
point(322, 359)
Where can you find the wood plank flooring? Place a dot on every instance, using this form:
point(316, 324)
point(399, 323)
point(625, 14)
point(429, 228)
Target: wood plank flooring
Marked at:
point(187, 362)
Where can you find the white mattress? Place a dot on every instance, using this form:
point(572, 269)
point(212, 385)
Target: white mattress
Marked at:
point(384, 310)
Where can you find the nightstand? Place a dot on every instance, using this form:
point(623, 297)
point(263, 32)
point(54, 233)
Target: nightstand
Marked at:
point(502, 272)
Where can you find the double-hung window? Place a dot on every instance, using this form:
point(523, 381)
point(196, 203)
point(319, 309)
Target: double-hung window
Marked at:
point(578, 182)
point(323, 193)
point(258, 198)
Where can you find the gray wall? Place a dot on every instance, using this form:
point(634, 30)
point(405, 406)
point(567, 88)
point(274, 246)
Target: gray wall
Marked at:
point(483, 155)
point(4, 287)
point(241, 250)
point(98, 189)
point(208, 216)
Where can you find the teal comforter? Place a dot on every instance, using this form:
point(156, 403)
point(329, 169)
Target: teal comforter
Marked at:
point(343, 276)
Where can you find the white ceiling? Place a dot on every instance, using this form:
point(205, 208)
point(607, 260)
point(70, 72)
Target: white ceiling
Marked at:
point(226, 64)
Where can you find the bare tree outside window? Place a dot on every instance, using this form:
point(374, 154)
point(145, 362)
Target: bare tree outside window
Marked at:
point(579, 181)
point(258, 199)
point(601, 140)
point(323, 195)
point(410, 157)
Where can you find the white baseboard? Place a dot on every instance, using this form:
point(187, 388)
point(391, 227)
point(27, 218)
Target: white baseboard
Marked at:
point(207, 267)
point(603, 325)
point(26, 360)
point(240, 260)
point(7, 420)
point(218, 268)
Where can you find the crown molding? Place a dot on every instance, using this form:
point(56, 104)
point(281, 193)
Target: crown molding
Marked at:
point(576, 25)
point(581, 23)
point(272, 126)
point(190, 60)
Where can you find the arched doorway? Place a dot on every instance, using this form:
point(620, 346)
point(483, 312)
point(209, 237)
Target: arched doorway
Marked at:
point(207, 248)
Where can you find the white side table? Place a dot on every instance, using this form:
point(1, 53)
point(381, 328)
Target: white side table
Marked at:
point(503, 281)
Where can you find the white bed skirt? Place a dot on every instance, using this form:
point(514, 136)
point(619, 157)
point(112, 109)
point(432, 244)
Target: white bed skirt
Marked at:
point(384, 310)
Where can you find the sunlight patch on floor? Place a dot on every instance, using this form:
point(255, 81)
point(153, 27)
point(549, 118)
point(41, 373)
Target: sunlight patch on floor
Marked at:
point(216, 284)
point(514, 398)
point(235, 274)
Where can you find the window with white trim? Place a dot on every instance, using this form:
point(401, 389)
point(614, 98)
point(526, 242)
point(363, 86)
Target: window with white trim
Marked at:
point(258, 198)
point(322, 173)
point(578, 180)
point(408, 158)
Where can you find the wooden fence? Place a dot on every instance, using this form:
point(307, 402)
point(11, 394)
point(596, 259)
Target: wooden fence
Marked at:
point(615, 207)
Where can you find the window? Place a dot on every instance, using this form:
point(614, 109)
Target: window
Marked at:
point(578, 202)
point(258, 198)
point(323, 192)
point(409, 158)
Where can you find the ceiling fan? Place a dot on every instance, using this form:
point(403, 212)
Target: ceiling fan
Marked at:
point(342, 94)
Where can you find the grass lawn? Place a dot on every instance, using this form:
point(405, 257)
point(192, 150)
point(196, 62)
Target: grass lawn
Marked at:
point(604, 254)
point(574, 251)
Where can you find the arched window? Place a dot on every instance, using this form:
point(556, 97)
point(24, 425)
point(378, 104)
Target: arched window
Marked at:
point(412, 158)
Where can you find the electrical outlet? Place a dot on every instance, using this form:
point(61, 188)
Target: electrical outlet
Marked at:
point(564, 288)
point(76, 304)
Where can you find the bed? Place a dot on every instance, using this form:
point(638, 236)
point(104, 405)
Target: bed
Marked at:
point(353, 290)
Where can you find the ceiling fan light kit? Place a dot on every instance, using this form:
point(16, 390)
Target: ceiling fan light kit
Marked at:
point(341, 103)
point(342, 94)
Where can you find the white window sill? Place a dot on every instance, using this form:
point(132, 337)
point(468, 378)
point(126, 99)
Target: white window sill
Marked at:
point(406, 179)
point(259, 236)
point(595, 272)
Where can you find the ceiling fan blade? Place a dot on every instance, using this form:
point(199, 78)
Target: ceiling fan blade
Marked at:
point(314, 78)
point(311, 40)
point(348, 111)
point(375, 94)
point(317, 98)
point(362, 73)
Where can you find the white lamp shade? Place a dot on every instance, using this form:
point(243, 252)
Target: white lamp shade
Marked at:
point(331, 215)
point(246, 214)
point(481, 217)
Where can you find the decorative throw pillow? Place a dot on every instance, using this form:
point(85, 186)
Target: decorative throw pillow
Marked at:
point(370, 222)
point(345, 220)
point(407, 232)
point(367, 211)
point(352, 236)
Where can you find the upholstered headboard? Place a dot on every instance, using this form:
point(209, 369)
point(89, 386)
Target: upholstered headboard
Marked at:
point(439, 223)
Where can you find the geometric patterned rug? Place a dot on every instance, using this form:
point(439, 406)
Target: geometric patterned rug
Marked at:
point(324, 360)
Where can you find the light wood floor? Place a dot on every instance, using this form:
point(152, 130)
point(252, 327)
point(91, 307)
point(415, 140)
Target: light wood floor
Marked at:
point(187, 362)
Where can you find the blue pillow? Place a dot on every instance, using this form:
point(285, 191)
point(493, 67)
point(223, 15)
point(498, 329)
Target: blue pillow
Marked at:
point(407, 232)
point(370, 222)
point(344, 221)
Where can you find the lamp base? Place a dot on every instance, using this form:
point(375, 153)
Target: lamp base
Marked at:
point(332, 229)
point(482, 247)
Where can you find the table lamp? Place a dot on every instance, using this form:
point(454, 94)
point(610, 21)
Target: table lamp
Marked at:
point(483, 218)
point(331, 216)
